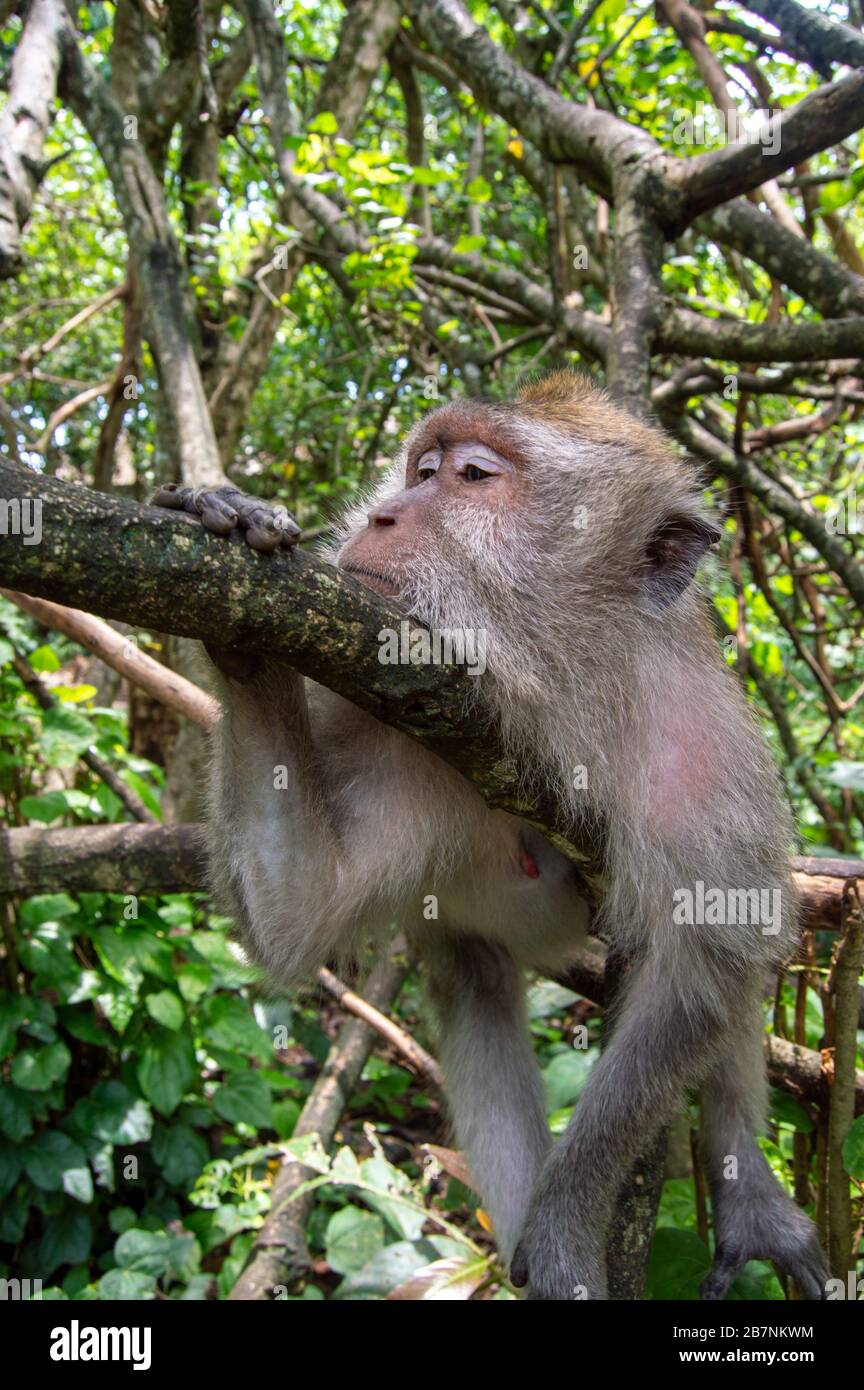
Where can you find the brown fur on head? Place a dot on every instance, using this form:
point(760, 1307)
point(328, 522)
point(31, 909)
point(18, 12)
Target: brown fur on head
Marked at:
point(570, 400)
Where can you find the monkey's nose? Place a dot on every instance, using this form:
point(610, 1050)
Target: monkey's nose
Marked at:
point(382, 519)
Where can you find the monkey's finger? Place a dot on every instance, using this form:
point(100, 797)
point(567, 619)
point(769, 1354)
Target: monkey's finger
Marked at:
point(718, 1281)
point(267, 529)
point(811, 1276)
point(291, 532)
point(519, 1268)
point(217, 514)
point(171, 495)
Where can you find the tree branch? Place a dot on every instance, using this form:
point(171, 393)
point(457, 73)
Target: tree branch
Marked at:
point(154, 254)
point(822, 41)
point(821, 119)
point(775, 497)
point(739, 340)
point(161, 569)
point(829, 287)
point(24, 123)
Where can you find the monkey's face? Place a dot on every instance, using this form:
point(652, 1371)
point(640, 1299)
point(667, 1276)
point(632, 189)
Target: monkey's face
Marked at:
point(459, 492)
point(559, 494)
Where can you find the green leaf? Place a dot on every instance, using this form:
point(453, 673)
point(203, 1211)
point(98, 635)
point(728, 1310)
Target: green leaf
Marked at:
point(166, 1008)
point(54, 1161)
point(42, 1023)
point(13, 1012)
point(64, 736)
point(324, 123)
point(67, 1240)
point(244, 1099)
point(835, 195)
point(36, 1071)
point(180, 1154)
point(73, 694)
point(546, 997)
point(229, 1022)
point(194, 980)
point(386, 1270)
point(469, 243)
point(13, 1220)
point(786, 1110)
point(407, 1221)
point(113, 1114)
point(121, 1219)
point(48, 955)
point(286, 1113)
point(47, 907)
point(11, 1163)
point(352, 1238)
point(166, 1068)
point(678, 1263)
point(158, 1253)
point(566, 1075)
point(479, 191)
point(84, 1025)
point(44, 659)
point(15, 1114)
point(46, 807)
point(126, 1285)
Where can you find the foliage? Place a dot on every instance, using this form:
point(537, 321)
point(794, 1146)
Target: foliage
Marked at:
point(144, 1101)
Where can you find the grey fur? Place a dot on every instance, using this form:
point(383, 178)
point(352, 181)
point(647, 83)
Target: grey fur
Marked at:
point(595, 658)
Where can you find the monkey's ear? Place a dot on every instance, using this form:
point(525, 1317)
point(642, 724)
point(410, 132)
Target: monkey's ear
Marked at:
point(671, 556)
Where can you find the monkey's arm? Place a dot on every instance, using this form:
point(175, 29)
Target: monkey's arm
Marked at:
point(273, 853)
point(296, 885)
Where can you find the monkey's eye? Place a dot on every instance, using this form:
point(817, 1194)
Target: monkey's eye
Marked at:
point(477, 471)
point(427, 467)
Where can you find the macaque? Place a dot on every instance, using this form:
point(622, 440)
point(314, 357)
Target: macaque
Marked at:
point(570, 534)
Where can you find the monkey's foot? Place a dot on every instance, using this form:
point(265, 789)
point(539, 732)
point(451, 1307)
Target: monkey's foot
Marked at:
point(765, 1226)
point(225, 509)
point(558, 1258)
point(549, 1271)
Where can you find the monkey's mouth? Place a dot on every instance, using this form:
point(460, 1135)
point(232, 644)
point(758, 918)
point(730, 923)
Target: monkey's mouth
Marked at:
point(373, 579)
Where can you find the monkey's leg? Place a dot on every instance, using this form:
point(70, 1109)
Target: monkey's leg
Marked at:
point(754, 1219)
point(493, 1084)
point(663, 1041)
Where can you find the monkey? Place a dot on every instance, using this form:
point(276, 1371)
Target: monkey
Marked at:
point(570, 533)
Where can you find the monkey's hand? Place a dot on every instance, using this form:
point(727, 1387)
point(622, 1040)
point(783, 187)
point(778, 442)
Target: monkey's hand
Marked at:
point(763, 1224)
point(559, 1256)
point(222, 510)
point(225, 509)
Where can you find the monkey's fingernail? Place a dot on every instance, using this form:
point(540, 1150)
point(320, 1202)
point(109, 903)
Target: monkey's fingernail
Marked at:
point(167, 496)
point(218, 518)
point(284, 522)
point(263, 540)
